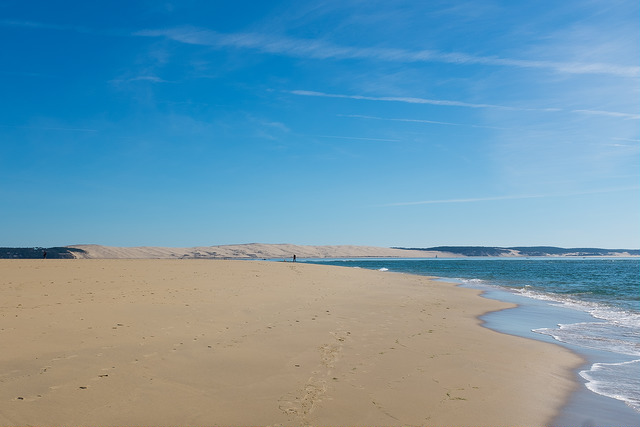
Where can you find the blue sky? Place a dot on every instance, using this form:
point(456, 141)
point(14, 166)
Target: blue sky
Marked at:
point(403, 123)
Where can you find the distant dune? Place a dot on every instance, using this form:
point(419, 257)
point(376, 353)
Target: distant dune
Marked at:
point(529, 251)
point(250, 251)
point(287, 251)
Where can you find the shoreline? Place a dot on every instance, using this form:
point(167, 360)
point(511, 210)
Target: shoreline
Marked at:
point(583, 406)
point(496, 320)
point(592, 402)
point(229, 342)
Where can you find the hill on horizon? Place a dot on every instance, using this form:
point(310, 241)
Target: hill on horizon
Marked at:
point(241, 251)
point(284, 251)
point(58, 252)
point(536, 251)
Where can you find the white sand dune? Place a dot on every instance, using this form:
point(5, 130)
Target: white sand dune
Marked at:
point(252, 250)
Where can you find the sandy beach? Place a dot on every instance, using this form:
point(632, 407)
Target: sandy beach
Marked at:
point(204, 342)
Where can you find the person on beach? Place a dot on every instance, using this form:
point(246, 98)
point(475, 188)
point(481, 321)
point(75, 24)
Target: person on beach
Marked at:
point(44, 254)
point(294, 257)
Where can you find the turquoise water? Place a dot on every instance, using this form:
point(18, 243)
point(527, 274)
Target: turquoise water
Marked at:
point(606, 290)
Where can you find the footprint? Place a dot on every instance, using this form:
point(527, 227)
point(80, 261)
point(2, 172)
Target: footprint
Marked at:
point(304, 402)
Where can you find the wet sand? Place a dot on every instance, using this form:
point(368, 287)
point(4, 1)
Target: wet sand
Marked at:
point(584, 408)
point(201, 342)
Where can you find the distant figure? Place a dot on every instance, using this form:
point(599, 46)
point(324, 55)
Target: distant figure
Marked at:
point(294, 257)
point(44, 254)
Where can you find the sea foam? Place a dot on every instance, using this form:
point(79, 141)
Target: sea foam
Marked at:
point(616, 380)
point(597, 335)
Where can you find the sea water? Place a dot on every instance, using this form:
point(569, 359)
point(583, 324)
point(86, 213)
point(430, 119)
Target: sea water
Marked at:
point(604, 291)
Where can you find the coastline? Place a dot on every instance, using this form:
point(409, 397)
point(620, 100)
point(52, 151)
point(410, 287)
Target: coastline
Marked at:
point(607, 390)
point(234, 342)
point(583, 406)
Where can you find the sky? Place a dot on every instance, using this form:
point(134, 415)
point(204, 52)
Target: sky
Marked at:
point(385, 123)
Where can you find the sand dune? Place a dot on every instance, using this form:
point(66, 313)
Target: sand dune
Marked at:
point(253, 250)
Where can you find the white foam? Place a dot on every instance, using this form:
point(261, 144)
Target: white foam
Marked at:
point(474, 280)
point(383, 269)
point(619, 330)
point(619, 317)
point(477, 283)
point(527, 292)
point(616, 380)
point(597, 335)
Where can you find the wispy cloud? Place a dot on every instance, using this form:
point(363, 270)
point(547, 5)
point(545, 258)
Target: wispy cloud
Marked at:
point(41, 25)
point(359, 138)
point(57, 27)
point(627, 143)
point(149, 79)
point(153, 79)
point(448, 103)
point(432, 122)
point(25, 74)
point(468, 200)
point(408, 100)
point(50, 128)
point(276, 125)
point(509, 197)
point(609, 113)
point(320, 49)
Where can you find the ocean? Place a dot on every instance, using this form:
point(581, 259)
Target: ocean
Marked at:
point(590, 305)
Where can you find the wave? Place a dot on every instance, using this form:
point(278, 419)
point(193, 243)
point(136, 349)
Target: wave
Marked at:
point(472, 281)
point(597, 310)
point(613, 329)
point(597, 335)
point(616, 380)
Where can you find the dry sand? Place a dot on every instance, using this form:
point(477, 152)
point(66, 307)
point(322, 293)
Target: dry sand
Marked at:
point(201, 342)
